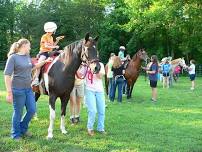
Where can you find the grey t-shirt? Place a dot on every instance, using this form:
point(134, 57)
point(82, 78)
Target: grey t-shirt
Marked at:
point(154, 67)
point(19, 67)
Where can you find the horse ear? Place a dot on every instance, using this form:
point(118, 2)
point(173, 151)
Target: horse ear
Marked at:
point(87, 37)
point(96, 38)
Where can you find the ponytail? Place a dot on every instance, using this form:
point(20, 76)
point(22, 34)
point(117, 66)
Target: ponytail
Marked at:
point(13, 49)
point(16, 46)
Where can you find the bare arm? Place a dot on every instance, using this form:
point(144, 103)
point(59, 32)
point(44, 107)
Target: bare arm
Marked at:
point(8, 83)
point(58, 39)
point(99, 75)
point(151, 72)
point(51, 46)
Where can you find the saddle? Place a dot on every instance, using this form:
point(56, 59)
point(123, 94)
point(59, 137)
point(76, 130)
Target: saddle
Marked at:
point(44, 69)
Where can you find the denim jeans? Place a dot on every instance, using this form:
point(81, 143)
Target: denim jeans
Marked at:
point(21, 98)
point(125, 87)
point(95, 103)
point(110, 88)
point(118, 82)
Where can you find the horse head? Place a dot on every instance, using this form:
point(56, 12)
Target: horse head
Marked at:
point(89, 54)
point(142, 54)
point(182, 63)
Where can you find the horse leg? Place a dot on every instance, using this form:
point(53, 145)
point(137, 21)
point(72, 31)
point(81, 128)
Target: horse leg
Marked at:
point(52, 100)
point(171, 80)
point(64, 101)
point(131, 90)
point(107, 85)
point(128, 90)
point(37, 95)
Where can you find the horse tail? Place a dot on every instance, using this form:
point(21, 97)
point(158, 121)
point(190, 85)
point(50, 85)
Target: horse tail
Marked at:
point(106, 79)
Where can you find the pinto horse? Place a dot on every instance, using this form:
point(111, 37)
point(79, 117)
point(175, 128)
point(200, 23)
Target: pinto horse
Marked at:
point(174, 64)
point(133, 70)
point(59, 81)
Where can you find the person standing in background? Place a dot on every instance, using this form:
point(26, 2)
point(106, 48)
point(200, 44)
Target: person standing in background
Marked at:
point(76, 97)
point(192, 73)
point(152, 71)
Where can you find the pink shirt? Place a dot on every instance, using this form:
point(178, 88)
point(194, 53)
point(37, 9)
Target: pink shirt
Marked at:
point(177, 69)
point(96, 83)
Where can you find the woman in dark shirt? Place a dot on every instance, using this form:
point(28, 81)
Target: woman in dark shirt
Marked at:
point(118, 78)
point(153, 76)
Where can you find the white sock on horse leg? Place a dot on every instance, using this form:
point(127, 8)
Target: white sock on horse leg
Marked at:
point(51, 125)
point(62, 124)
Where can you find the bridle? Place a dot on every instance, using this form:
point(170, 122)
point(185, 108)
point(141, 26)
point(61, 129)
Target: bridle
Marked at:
point(86, 63)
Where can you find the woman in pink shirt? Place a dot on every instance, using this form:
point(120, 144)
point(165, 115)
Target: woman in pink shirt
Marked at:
point(95, 101)
point(177, 72)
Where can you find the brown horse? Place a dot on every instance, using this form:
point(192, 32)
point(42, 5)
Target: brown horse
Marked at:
point(133, 70)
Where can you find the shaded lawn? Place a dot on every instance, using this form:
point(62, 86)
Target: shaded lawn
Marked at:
point(174, 123)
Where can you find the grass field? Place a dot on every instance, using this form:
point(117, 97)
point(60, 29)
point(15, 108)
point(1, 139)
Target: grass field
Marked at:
point(173, 124)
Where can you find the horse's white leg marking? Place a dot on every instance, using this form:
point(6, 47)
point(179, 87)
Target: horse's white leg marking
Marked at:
point(52, 118)
point(46, 81)
point(46, 74)
point(62, 125)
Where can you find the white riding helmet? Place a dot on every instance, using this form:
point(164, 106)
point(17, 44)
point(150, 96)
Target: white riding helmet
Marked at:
point(50, 27)
point(122, 48)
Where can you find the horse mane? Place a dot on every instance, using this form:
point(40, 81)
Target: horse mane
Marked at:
point(67, 54)
point(135, 56)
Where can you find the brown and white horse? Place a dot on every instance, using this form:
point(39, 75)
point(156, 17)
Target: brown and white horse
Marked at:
point(59, 81)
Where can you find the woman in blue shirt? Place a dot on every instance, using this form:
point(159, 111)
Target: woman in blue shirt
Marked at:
point(17, 75)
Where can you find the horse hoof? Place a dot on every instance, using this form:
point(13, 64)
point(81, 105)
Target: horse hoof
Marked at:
point(49, 137)
point(64, 132)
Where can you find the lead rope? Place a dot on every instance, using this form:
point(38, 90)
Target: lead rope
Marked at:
point(89, 76)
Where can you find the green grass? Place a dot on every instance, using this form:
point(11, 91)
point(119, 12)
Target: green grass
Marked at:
point(173, 124)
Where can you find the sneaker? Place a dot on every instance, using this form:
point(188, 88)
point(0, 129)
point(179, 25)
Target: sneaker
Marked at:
point(91, 133)
point(35, 82)
point(103, 132)
point(153, 100)
point(77, 120)
point(72, 121)
point(27, 134)
point(17, 139)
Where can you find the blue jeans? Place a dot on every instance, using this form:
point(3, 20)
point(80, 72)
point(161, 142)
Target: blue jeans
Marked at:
point(118, 82)
point(95, 103)
point(110, 88)
point(21, 98)
point(125, 87)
